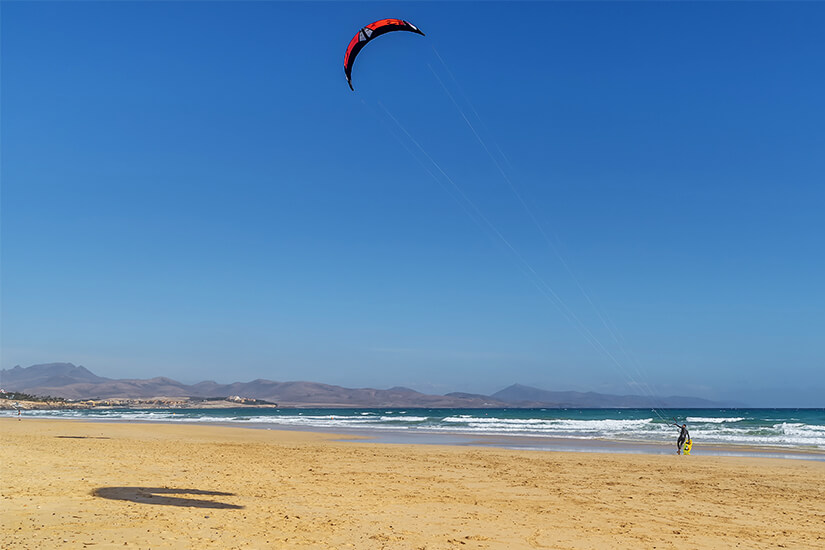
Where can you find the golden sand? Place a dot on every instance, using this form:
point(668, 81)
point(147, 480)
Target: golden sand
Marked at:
point(72, 484)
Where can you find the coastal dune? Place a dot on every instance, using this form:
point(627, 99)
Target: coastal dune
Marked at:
point(68, 484)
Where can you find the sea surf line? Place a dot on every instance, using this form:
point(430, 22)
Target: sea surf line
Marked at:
point(717, 431)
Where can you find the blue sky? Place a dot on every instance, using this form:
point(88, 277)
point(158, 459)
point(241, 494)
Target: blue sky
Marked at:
point(619, 197)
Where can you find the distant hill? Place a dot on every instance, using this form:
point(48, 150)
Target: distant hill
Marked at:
point(51, 375)
point(72, 382)
point(75, 382)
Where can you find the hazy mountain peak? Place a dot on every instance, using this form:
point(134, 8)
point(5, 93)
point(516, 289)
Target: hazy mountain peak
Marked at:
point(73, 382)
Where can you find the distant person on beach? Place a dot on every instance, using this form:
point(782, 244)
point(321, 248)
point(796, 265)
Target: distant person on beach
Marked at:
point(683, 435)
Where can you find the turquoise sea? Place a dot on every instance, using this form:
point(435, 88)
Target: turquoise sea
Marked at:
point(716, 431)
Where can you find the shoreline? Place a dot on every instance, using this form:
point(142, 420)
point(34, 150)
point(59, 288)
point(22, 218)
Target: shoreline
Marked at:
point(500, 441)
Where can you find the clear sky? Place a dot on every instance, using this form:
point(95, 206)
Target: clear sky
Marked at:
point(607, 196)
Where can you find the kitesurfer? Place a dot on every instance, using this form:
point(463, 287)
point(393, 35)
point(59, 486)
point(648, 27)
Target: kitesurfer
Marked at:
point(683, 435)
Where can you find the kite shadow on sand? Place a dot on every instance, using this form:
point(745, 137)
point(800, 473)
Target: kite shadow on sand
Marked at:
point(160, 496)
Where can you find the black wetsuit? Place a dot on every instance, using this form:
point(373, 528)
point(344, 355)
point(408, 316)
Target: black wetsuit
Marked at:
point(683, 435)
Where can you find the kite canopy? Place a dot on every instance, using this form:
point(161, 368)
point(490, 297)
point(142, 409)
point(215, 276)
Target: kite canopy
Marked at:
point(368, 33)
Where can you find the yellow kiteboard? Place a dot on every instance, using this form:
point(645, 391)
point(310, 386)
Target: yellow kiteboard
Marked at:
point(688, 445)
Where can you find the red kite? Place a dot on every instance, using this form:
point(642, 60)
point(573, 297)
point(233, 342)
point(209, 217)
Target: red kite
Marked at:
point(368, 33)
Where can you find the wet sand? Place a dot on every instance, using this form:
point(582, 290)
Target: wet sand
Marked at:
point(68, 484)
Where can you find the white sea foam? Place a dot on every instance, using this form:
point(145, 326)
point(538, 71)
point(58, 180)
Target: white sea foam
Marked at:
point(608, 424)
point(720, 420)
point(404, 418)
point(638, 429)
point(804, 428)
point(481, 420)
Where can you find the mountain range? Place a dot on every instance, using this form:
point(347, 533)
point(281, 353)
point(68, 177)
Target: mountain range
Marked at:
point(76, 382)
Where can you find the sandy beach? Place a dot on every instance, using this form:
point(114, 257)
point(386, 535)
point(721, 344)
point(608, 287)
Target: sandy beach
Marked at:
point(68, 484)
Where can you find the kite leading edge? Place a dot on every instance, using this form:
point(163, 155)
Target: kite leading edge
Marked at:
point(369, 32)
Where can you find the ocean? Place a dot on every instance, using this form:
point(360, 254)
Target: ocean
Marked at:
point(797, 430)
